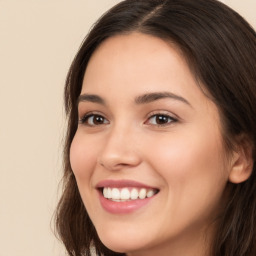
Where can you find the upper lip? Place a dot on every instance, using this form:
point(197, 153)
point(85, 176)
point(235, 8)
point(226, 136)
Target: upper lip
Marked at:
point(122, 184)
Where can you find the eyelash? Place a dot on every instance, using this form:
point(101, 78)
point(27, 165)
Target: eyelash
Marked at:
point(86, 119)
point(161, 117)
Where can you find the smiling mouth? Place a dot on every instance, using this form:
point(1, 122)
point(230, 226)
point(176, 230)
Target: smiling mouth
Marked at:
point(127, 194)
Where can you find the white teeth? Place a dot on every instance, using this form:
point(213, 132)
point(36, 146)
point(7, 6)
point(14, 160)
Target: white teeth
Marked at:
point(150, 193)
point(134, 194)
point(115, 194)
point(105, 192)
point(109, 193)
point(123, 194)
point(143, 193)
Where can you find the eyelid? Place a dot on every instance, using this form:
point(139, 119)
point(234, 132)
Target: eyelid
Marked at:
point(173, 117)
point(162, 112)
point(83, 117)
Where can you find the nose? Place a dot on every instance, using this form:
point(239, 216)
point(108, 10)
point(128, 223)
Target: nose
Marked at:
point(120, 150)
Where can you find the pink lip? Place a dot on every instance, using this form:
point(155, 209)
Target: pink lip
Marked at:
point(122, 207)
point(121, 184)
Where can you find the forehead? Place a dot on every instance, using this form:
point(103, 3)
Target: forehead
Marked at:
point(134, 64)
point(135, 58)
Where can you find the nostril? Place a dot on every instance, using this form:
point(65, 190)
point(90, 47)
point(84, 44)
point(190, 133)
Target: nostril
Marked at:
point(115, 158)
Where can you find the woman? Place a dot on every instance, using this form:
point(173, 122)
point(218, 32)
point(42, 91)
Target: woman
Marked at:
point(160, 148)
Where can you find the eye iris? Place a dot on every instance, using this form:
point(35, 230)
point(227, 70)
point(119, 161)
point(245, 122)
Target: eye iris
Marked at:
point(98, 120)
point(162, 119)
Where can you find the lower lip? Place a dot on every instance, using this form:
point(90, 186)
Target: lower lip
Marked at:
point(123, 207)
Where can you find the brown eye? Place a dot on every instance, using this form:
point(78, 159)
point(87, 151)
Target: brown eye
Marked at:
point(97, 120)
point(160, 120)
point(93, 120)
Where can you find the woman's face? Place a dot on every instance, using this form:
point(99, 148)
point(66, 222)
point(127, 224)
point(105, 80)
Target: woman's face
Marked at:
point(152, 141)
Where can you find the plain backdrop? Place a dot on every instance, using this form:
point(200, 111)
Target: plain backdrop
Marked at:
point(38, 40)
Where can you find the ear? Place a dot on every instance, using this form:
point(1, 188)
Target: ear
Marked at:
point(242, 161)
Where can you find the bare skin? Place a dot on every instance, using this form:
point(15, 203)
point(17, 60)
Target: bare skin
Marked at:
point(149, 123)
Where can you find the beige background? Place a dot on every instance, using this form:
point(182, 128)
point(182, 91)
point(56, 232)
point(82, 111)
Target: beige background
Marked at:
point(38, 40)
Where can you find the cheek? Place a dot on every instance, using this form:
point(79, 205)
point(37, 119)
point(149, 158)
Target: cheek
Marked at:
point(82, 158)
point(191, 165)
point(194, 177)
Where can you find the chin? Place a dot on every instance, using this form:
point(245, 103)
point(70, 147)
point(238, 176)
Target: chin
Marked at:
point(120, 246)
point(122, 243)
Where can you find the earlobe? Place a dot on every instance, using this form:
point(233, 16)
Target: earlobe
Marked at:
point(242, 163)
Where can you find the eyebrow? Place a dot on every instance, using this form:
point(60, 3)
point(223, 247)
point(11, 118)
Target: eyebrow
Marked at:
point(91, 98)
point(142, 99)
point(150, 97)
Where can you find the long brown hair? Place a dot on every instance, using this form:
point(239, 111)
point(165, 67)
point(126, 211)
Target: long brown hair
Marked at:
point(220, 48)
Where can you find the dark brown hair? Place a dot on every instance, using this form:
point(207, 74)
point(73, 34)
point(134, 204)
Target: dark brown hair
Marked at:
point(220, 48)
